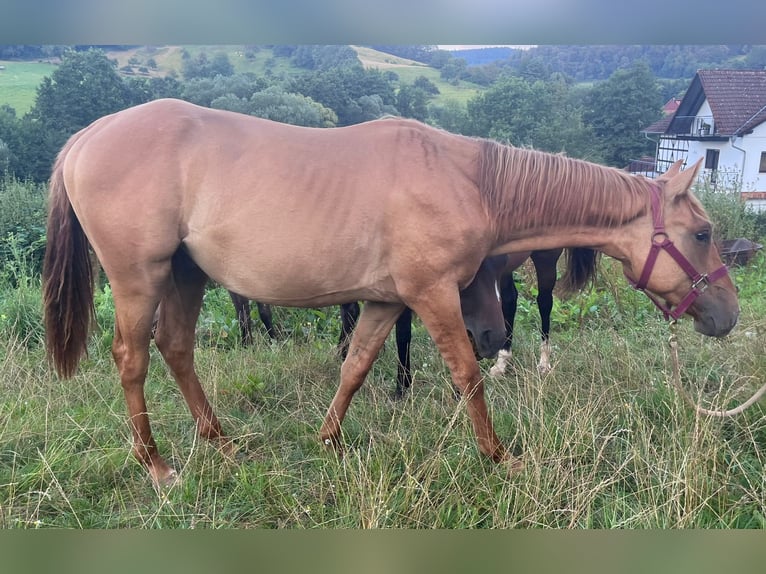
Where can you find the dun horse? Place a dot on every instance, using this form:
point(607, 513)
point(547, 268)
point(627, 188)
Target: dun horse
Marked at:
point(391, 212)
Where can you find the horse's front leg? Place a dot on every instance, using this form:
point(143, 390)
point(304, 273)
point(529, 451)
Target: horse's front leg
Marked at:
point(374, 325)
point(439, 310)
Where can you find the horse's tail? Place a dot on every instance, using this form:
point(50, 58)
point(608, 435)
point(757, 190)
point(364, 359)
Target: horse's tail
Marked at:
point(67, 279)
point(581, 268)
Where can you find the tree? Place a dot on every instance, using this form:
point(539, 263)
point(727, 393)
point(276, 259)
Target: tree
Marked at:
point(412, 102)
point(341, 90)
point(85, 87)
point(274, 103)
point(454, 70)
point(202, 91)
point(542, 115)
point(451, 116)
point(203, 67)
point(426, 85)
point(618, 108)
point(10, 130)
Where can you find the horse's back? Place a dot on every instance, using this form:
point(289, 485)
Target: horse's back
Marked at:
point(280, 213)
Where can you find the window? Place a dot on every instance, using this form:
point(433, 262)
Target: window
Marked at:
point(762, 166)
point(711, 159)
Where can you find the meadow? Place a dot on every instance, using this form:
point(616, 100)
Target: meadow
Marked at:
point(19, 81)
point(606, 440)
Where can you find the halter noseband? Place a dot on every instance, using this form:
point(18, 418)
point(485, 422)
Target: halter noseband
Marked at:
point(660, 240)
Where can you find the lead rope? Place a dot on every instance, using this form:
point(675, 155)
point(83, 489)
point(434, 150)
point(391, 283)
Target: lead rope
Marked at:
point(673, 344)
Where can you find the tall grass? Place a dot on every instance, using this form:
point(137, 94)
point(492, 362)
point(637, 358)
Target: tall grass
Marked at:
point(607, 443)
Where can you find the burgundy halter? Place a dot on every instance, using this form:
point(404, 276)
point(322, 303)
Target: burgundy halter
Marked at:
point(660, 240)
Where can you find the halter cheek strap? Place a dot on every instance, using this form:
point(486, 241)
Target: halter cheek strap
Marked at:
point(660, 241)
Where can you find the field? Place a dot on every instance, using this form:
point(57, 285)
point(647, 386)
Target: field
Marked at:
point(607, 443)
point(19, 81)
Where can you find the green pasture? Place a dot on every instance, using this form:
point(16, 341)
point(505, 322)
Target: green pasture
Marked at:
point(19, 81)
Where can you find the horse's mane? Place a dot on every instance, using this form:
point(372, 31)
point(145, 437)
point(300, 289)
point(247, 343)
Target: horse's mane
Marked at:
point(522, 188)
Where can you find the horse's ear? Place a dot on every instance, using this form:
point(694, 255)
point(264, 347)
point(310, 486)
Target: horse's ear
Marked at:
point(673, 170)
point(679, 183)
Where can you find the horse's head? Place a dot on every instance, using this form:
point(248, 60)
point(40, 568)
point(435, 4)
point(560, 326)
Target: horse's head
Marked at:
point(672, 256)
point(482, 310)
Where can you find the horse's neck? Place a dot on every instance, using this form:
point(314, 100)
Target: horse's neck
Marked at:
point(589, 222)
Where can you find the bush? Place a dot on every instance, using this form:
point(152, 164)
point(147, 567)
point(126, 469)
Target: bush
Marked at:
point(22, 226)
point(729, 213)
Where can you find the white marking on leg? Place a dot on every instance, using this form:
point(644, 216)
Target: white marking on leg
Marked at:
point(498, 369)
point(544, 366)
point(497, 291)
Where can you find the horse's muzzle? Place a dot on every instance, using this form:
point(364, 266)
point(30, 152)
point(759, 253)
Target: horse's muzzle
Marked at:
point(487, 344)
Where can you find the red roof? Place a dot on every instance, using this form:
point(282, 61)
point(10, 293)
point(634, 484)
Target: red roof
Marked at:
point(737, 99)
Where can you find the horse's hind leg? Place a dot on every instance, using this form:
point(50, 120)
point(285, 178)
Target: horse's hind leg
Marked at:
point(374, 325)
point(134, 314)
point(175, 340)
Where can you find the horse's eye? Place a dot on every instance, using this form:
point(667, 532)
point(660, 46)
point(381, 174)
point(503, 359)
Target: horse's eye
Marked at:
point(702, 236)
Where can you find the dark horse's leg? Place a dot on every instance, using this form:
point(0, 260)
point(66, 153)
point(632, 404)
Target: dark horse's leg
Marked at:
point(509, 296)
point(264, 312)
point(242, 307)
point(349, 315)
point(545, 267)
point(403, 339)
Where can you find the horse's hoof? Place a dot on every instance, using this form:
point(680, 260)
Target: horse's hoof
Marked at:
point(513, 465)
point(165, 482)
point(229, 448)
point(496, 371)
point(333, 446)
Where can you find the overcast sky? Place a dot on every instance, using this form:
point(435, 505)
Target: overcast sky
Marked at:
point(470, 47)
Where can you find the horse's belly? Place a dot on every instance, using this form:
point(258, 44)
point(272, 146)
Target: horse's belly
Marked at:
point(291, 275)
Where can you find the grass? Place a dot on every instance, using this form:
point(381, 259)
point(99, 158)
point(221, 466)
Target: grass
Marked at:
point(607, 443)
point(409, 70)
point(19, 81)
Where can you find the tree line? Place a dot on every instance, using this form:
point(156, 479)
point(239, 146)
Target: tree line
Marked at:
point(548, 111)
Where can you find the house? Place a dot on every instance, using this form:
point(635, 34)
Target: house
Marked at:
point(721, 118)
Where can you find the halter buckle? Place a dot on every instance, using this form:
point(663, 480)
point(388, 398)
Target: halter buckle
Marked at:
point(703, 281)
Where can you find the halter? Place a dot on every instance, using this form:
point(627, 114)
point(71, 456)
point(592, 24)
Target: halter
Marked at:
point(660, 240)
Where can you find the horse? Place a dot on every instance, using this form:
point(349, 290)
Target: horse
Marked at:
point(391, 212)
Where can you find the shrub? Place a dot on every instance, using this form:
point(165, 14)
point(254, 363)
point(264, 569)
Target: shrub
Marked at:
point(729, 212)
point(22, 226)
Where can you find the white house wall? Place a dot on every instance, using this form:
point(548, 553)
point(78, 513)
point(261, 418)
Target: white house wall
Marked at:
point(754, 145)
point(739, 157)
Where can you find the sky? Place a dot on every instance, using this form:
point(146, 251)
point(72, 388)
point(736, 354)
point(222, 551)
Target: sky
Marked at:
point(471, 47)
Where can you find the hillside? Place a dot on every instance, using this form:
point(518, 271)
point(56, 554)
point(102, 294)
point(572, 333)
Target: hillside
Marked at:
point(409, 70)
point(19, 79)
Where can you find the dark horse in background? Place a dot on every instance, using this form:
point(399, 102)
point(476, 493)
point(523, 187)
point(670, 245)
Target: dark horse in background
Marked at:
point(395, 213)
point(580, 268)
